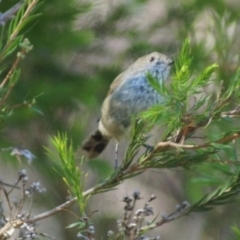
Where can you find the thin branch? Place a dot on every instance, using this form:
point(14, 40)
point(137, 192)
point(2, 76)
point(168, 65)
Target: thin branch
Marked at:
point(166, 219)
point(52, 211)
point(166, 145)
point(19, 222)
point(8, 185)
point(233, 113)
point(61, 207)
point(14, 66)
point(135, 167)
point(8, 200)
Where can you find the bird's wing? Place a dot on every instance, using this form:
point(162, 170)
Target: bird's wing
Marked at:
point(116, 83)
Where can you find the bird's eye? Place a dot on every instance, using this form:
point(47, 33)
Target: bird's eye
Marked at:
point(152, 59)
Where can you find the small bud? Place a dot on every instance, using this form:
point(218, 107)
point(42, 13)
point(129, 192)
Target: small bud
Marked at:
point(25, 44)
point(127, 199)
point(128, 207)
point(34, 235)
point(139, 212)
point(22, 173)
point(148, 211)
point(79, 235)
point(91, 229)
point(25, 179)
point(152, 197)
point(132, 225)
point(110, 233)
point(20, 55)
point(185, 204)
point(136, 195)
point(27, 192)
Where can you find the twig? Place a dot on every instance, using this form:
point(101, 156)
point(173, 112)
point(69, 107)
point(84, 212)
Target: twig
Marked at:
point(8, 185)
point(52, 211)
point(8, 201)
point(129, 217)
point(60, 207)
point(14, 186)
point(182, 211)
point(135, 167)
point(14, 66)
point(166, 145)
point(232, 113)
point(27, 12)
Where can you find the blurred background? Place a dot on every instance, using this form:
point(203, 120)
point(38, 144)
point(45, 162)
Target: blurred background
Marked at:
point(79, 48)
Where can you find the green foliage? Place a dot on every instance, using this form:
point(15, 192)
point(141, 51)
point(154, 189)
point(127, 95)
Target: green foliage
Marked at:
point(21, 19)
point(175, 112)
point(13, 45)
point(73, 176)
point(220, 196)
point(180, 123)
point(67, 69)
point(236, 231)
point(183, 86)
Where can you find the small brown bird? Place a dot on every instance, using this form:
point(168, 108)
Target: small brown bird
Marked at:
point(129, 94)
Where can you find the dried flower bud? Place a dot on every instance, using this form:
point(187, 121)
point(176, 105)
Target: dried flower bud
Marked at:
point(132, 225)
point(79, 235)
point(148, 211)
point(91, 229)
point(110, 233)
point(127, 199)
point(128, 207)
point(22, 173)
point(136, 195)
point(139, 212)
point(185, 204)
point(152, 197)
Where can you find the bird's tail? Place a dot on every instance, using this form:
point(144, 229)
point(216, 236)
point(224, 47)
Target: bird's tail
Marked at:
point(95, 144)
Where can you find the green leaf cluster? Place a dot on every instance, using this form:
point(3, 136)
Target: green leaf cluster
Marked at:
point(74, 177)
point(186, 86)
point(13, 48)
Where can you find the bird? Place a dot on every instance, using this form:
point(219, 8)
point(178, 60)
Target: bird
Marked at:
point(130, 94)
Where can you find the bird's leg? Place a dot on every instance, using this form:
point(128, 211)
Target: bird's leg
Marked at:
point(116, 155)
